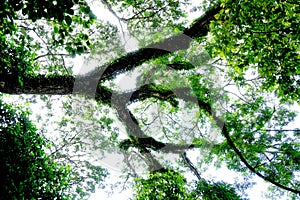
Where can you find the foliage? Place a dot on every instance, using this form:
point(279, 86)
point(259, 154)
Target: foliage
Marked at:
point(162, 185)
point(172, 185)
point(262, 35)
point(151, 15)
point(26, 171)
point(42, 36)
point(218, 191)
point(228, 91)
point(74, 144)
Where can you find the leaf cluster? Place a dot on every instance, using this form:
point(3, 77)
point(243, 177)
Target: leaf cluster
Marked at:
point(26, 171)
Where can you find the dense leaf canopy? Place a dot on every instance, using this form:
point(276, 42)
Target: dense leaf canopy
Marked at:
point(26, 171)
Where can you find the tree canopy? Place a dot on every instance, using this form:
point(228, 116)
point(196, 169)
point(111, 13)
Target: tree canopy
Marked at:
point(216, 83)
point(26, 171)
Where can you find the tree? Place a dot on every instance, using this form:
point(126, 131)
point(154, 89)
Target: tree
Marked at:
point(232, 71)
point(162, 185)
point(171, 185)
point(26, 171)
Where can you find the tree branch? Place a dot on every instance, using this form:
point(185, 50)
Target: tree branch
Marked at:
point(179, 42)
point(56, 85)
point(185, 94)
point(189, 164)
point(52, 54)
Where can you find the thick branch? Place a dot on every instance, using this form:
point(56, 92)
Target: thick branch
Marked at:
point(62, 85)
point(185, 94)
point(179, 42)
point(152, 90)
point(119, 101)
point(58, 85)
point(65, 84)
point(151, 143)
point(190, 165)
point(54, 85)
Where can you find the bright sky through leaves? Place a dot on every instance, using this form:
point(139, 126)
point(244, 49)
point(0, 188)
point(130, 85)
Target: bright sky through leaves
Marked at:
point(156, 92)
